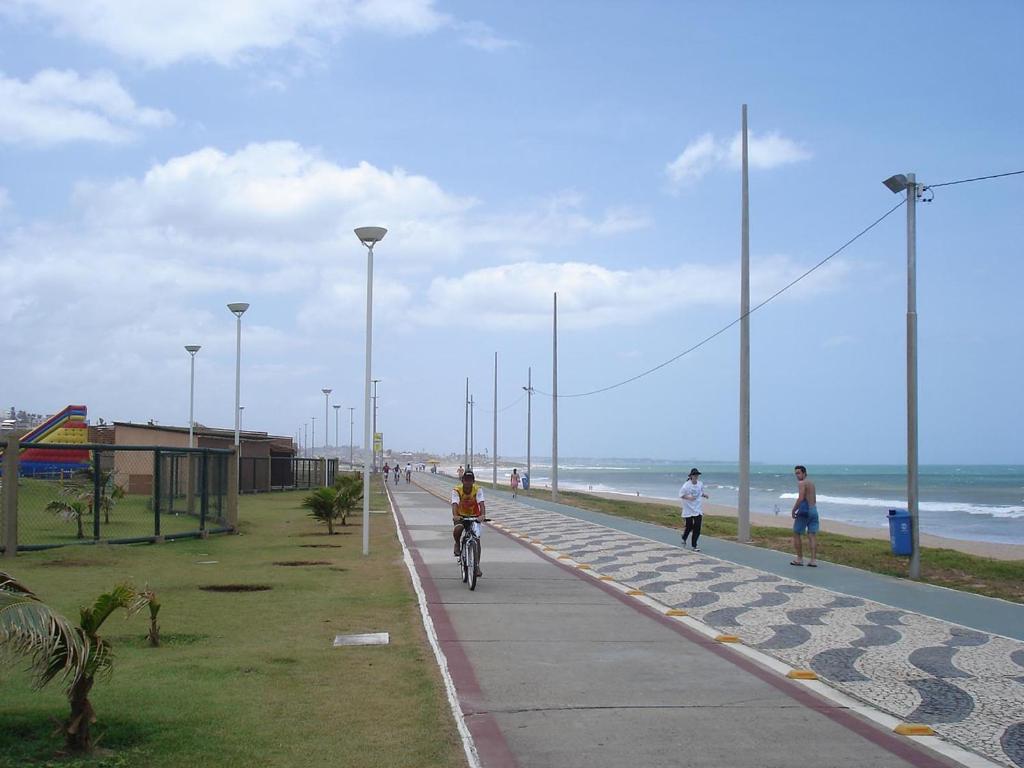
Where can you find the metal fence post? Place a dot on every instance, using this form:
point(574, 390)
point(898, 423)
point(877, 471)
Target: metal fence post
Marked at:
point(11, 455)
point(232, 511)
point(204, 490)
point(156, 492)
point(97, 495)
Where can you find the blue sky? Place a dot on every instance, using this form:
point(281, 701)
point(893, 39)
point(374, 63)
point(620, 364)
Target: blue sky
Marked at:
point(160, 160)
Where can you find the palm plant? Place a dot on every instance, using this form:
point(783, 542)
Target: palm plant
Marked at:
point(349, 494)
point(70, 508)
point(56, 648)
point(321, 504)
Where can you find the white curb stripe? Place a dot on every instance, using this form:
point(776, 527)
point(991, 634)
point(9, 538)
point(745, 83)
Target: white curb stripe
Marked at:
point(442, 662)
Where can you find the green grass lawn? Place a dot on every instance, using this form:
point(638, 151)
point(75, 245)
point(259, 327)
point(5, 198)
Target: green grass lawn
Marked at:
point(943, 567)
point(130, 517)
point(245, 678)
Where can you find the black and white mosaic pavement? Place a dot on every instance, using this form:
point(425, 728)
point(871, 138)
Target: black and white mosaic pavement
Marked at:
point(967, 685)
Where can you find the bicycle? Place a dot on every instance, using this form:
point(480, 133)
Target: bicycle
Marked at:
point(469, 550)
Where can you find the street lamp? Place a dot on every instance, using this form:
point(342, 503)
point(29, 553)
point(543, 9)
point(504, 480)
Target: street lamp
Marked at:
point(375, 382)
point(897, 184)
point(529, 398)
point(191, 349)
point(327, 433)
point(351, 426)
point(238, 309)
point(312, 432)
point(368, 236)
point(337, 441)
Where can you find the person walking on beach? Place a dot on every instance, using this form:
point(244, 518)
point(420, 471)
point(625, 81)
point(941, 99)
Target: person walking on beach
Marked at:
point(692, 494)
point(514, 481)
point(805, 517)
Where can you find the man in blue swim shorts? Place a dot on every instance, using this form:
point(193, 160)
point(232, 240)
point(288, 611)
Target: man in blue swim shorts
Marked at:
point(805, 518)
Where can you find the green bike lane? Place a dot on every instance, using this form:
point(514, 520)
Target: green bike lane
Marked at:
point(554, 668)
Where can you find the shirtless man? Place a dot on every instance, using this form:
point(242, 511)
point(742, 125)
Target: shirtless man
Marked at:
point(805, 518)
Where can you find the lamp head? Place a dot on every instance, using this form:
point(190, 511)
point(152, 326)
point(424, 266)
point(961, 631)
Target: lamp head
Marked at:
point(897, 183)
point(335, 407)
point(238, 308)
point(368, 236)
point(326, 391)
point(192, 348)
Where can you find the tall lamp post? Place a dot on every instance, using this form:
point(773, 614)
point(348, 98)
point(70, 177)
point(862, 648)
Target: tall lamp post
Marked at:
point(191, 349)
point(896, 184)
point(375, 382)
point(241, 413)
point(327, 432)
point(238, 309)
point(369, 237)
point(337, 440)
point(351, 426)
point(529, 398)
point(312, 432)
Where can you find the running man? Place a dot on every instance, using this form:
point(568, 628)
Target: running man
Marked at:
point(692, 494)
point(805, 518)
point(468, 501)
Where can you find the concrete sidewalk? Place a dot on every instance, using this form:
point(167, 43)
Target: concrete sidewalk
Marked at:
point(554, 668)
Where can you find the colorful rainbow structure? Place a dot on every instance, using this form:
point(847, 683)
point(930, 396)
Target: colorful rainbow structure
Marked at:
point(67, 427)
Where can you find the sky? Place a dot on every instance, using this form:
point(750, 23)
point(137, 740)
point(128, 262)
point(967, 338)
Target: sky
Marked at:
point(160, 160)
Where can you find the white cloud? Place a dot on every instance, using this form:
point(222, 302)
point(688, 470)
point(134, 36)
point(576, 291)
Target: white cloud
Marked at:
point(163, 32)
point(478, 35)
point(59, 106)
point(519, 296)
point(706, 153)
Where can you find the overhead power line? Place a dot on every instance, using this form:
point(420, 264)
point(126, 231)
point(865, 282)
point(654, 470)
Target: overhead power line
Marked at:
point(976, 178)
point(782, 290)
point(752, 310)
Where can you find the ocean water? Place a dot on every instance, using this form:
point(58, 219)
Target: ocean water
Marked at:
point(983, 503)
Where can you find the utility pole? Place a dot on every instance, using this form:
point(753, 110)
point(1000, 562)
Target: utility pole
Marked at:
point(554, 402)
point(743, 499)
point(373, 445)
point(466, 448)
point(494, 449)
point(529, 398)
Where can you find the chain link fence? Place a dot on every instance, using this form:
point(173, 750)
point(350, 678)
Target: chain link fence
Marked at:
point(284, 473)
point(114, 494)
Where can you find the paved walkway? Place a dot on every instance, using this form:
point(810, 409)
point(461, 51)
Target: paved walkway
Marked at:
point(555, 666)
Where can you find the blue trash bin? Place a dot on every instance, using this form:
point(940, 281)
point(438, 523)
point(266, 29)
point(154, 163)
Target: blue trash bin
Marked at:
point(526, 482)
point(899, 532)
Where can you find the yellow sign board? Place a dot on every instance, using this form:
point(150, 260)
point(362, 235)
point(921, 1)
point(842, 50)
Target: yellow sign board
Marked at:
point(378, 441)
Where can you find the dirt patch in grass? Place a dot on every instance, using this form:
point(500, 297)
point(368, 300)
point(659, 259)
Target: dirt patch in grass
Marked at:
point(290, 563)
point(70, 563)
point(338, 568)
point(235, 587)
point(321, 546)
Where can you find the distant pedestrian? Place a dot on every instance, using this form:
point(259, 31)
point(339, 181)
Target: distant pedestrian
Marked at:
point(460, 473)
point(692, 494)
point(805, 517)
point(514, 481)
point(387, 469)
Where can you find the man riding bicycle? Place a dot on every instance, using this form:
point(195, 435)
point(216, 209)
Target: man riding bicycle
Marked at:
point(467, 501)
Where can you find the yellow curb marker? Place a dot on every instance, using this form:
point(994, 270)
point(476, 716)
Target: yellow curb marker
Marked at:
point(635, 593)
point(913, 729)
point(676, 612)
point(727, 639)
point(564, 557)
point(606, 578)
point(584, 567)
point(802, 674)
point(549, 549)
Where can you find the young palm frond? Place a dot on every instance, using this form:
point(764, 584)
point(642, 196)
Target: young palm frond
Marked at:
point(321, 506)
point(30, 628)
point(349, 490)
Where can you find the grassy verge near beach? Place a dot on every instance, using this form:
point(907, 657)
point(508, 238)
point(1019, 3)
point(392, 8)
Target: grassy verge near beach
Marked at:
point(245, 678)
point(943, 567)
